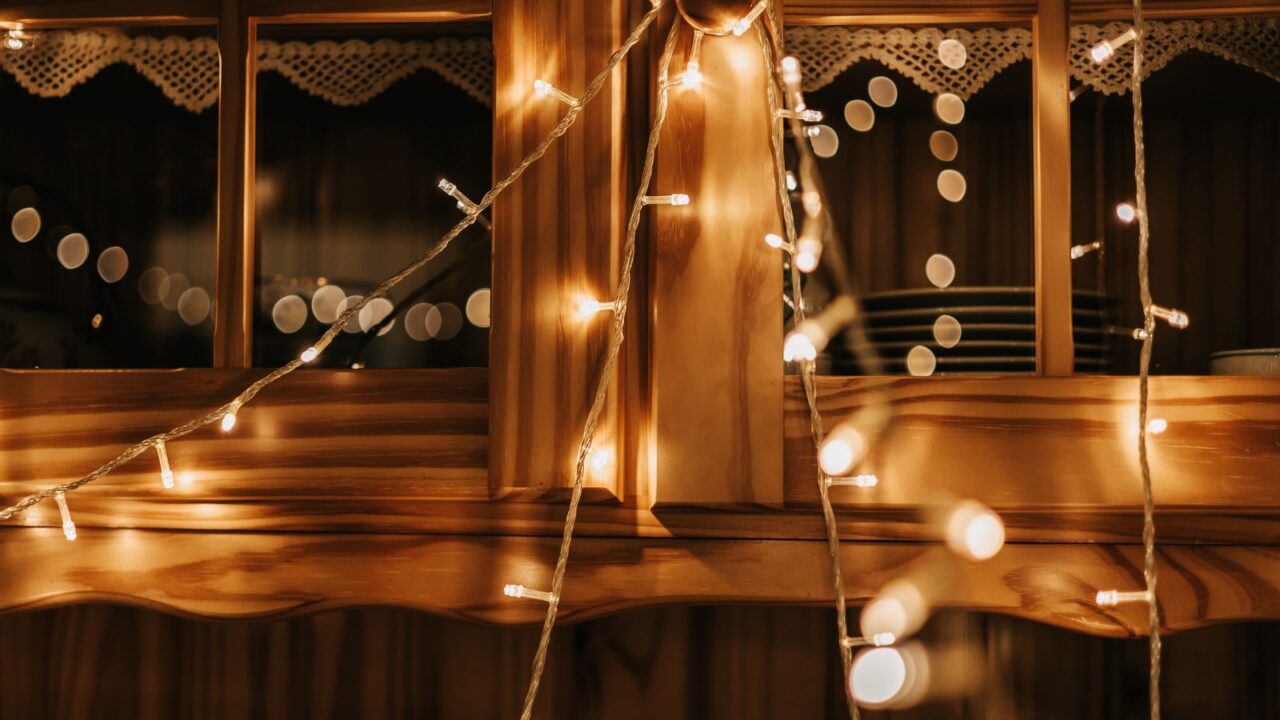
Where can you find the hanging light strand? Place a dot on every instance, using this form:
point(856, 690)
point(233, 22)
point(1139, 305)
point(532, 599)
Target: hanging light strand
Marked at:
point(571, 115)
point(552, 598)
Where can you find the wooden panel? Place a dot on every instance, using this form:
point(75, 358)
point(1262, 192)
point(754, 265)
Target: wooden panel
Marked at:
point(243, 575)
point(716, 357)
point(233, 290)
point(355, 11)
point(908, 12)
point(1059, 454)
point(1051, 150)
point(557, 238)
point(90, 12)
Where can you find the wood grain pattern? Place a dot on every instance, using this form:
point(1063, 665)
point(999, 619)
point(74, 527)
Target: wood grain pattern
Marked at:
point(716, 307)
point(1051, 166)
point(259, 575)
point(233, 305)
point(557, 239)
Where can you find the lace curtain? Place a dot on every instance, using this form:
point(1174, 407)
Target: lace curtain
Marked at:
point(186, 69)
point(825, 52)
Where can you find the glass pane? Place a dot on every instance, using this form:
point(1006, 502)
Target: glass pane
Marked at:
point(926, 158)
point(109, 178)
point(1212, 127)
point(357, 126)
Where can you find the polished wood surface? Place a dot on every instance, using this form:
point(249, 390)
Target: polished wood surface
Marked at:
point(257, 575)
point(716, 346)
point(234, 305)
point(1051, 152)
point(557, 240)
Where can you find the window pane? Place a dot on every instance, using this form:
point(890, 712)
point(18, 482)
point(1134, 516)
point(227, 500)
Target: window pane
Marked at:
point(356, 128)
point(109, 182)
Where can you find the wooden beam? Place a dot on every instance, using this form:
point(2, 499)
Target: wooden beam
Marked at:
point(716, 292)
point(78, 13)
point(933, 12)
point(368, 11)
point(233, 306)
point(1051, 131)
point(557, 240)
point(263, 575)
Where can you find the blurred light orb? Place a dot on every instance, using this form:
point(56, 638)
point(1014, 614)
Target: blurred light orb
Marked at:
point(951, 185)
point(1155, 426)
point(949, 108)
point(353, 323)
point(444, 321)
point(113, 263)
point(289, 314)
point(326, 303)
point(940, 270)
point(73, 250)
point(175, 285)
point(859, 115)
point(975, 531)
point(375, 312)
point(25, 224)
point(921, 362)
point(952, 53)
point(96, 322)
point(878, 675)
point(478, 308)
point(843, 449)
point(825, 141)
point(600, 464)
point(153, 285)
point(944, 145)
point(882, 91)
point(1126, 212)
point(194, 306)
point(946, 331)
point(415, 322)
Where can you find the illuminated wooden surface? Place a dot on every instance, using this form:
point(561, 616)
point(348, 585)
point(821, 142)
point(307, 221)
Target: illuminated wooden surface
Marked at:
point(557, 239)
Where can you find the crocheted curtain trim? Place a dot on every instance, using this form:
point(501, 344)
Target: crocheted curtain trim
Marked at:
point(186, 69)
point(825, 52)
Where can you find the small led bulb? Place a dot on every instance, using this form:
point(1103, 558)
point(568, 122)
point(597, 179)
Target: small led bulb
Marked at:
point(805, 115)
point(790, 70)
point(842, 449)
point(692, 77)
point(743, 25)
point(520, 591)
point(1079, 251)
point(861, 481)
point(1155, 426)
point(68, 526)
point(792, 183)
point(775, 240)
point(1112, 598)
point(799, 348)
point(675, 199)
point(310, 354)
point(166, 474)
point(587, 307)
point(1105, 49)
point(229, 419)
point(1126, 212)
point(546, 89)
point(600, 464)
point(1175, 318)
point(808, 251)
point(975, 531)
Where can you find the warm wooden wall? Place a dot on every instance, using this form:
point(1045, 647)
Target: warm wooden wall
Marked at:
point(674, 663)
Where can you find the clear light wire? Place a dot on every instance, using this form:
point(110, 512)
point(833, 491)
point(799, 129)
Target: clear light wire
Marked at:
point(615, 344)
point(215, 415)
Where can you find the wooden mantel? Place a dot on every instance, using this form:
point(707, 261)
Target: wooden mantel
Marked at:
point(344, 488)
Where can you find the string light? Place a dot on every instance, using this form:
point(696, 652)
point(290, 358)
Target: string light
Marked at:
point(68, 525)
point(975, 531)
point(1112, 598)
point(546, 89)
point(1156, 426)
point(465, 204)
point(1079, 251)
point(1126, 212)
point(743, 25)
point(309, 354)
point(1105, 49)
point(803, 115)
point(18, 39)
point(865, 480)
point(811, 336)
point(895, 613)
point(775, 240)
point(808, 251)
point(879, 676)
point(600, 463)
point(676, 199)
point(520, 591)
point(229, 419)
point(166, 474)
point(842, 449)
point(1175, 318)
point(792, 183)
point(586, 307)
point(692, 78)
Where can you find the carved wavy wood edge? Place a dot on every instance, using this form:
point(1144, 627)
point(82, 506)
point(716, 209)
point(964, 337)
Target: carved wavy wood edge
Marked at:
point(247, 576)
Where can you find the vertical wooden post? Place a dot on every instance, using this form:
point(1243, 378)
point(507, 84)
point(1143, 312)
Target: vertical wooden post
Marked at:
point(1051, 120)
point(716, 353)
point(557, 239)
point(233, 306)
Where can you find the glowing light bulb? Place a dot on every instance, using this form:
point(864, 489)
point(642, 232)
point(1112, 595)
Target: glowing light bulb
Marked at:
point(792, 183)
point(520, 591)
point(897, 611)
point(546, 89)
point(586, 307)
point(862, 481)
point(310, 354)
point(1155, 426)
point(1079, 251)
point(675, 199)
point(166, 474)
point(842, 449)
point(744, 24)
point(1105, 49)
point(600, 463)
point(68, 525)
point(799, 347)
point(878, 675)
point(975, 531)
point(805, 115)
point(1112, 598)
point(692, 77)
point(1126, 212)
point(229, 419)
point(775, 240)
point(790, 70)
point(1175, 318)
point(808, 251)
point(17, 39)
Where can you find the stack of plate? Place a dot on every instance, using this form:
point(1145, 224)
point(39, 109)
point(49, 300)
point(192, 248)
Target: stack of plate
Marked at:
point(997, 330)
